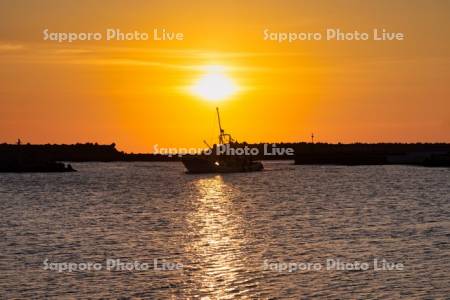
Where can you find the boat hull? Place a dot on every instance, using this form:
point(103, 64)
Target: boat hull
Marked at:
point(197, 164)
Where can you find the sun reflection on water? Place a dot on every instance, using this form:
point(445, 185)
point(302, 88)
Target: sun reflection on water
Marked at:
point(217, 239)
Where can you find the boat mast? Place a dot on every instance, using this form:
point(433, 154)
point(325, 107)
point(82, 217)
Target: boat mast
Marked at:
point(220, 127)
point(223, 137)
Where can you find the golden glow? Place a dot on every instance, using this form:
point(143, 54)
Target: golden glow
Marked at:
point(142, 93)
point(217, 239)
point(214, 85)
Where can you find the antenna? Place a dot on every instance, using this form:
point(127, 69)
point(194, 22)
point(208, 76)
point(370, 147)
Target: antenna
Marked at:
point(206, 143)
point(312, 138)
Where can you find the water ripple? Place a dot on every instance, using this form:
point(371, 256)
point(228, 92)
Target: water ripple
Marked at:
point(223, 228)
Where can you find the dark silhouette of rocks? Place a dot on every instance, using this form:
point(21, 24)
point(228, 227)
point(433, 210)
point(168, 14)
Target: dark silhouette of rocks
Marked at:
point(421, 154)
point(34, 166)
point(437, 154)
point(48, 158)
point(25, 158)
point(75, 153)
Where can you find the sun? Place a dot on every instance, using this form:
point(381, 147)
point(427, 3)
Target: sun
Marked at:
point(214, 85)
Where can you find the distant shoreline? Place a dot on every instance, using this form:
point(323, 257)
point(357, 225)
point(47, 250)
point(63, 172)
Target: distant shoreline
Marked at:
point(426, 154)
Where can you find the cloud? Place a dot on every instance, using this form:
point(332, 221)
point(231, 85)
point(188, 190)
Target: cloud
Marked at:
point(10, 47)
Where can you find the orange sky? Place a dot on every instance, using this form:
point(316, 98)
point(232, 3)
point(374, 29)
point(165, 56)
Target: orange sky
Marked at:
point(134, 92)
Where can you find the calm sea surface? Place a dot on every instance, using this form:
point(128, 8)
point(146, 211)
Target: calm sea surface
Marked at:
point(232, 233)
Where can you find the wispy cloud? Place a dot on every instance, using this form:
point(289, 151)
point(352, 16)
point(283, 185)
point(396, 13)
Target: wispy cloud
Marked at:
point(10, 47)
point(180, 59)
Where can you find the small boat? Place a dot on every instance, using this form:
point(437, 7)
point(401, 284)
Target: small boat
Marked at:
point(214, 162)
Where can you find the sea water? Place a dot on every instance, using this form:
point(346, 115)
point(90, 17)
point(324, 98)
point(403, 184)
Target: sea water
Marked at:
point(150, 231)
